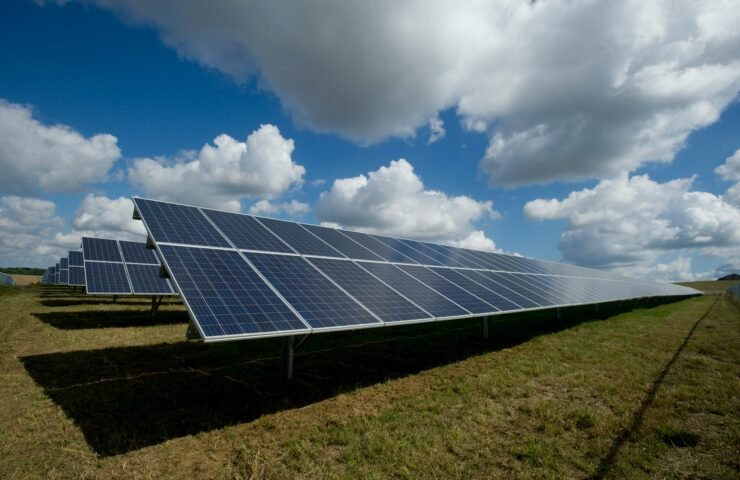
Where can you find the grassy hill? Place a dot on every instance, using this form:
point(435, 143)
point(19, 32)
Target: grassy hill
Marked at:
point(97, 389)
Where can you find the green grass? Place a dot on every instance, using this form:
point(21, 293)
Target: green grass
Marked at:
point(94, 389)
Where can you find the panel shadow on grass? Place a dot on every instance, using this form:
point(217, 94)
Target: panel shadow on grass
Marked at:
point(128, 398)
point(87, 319)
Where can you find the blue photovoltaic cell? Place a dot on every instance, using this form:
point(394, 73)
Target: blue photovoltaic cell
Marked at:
point(64, 263)
point(368, 290)
point(138, 252)
point(77, 276)
point(407, 250)
point(379, 248)
point(348, 247)
point(438, 254)
point(462, 297)
point(75, 259)
point(173, 223)
point(226, 296)
point(64, 277)
point(100, 249)
point(507, 280)
point(489, 296)
point(105, 277)
point(321, 303)
point(414, 290)
point(246, 232)
point(512, 295)
point(146, 280)
point(299, 238)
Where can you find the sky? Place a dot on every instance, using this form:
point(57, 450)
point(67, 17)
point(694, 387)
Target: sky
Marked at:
point(598, 133)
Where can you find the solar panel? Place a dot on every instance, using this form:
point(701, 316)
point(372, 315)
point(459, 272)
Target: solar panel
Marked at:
point(246, 232)
point(379, 248)
point(458, 295)
point(226, 297)
point(299, 238)
point(169, 222)
point(244, 276)
point(76, 259)
point(138, 252)
point(146, 280)
point(106, 278)
point(321, 303)
point(489, 296)
point(349, 248)
point(423, 296)
point(77, 276)
point(368, 290)
point(99, 249)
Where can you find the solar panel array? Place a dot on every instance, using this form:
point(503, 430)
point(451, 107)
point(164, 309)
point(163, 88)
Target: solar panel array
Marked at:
point(242, 276)
point(118, 267)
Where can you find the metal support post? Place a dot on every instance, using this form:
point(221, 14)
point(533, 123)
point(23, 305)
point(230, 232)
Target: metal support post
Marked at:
point(288, 347)
point(484, 328)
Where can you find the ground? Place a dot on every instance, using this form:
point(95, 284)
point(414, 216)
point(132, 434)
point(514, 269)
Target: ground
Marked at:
point(96, 389)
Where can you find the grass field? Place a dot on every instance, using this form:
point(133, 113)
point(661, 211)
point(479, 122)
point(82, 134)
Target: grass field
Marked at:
point(95, 389)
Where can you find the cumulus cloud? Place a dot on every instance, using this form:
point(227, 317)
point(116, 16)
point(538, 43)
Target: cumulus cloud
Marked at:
point(294, 208)
point(222, 174)
point(565, 90)
point(628, 222)
point(730, 170)
point(54, 158)
point(26, 226)
point(392, 200)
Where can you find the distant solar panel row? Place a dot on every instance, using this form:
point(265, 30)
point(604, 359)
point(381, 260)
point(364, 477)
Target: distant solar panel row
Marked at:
point(117, 267)
point(245, 276)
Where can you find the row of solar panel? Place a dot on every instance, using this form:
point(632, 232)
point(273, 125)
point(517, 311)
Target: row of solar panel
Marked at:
point(111, 267)
point(184, 225)
point(234, 293)
point(118, 267)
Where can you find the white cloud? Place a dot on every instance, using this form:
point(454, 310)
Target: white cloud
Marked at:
point(222, 174)
point(53, 158)
point(392, 200)
point(628, 222)
point(565, 89)
point(436, 130)
point(294, 208)
point(26, 225)
point(730, 170)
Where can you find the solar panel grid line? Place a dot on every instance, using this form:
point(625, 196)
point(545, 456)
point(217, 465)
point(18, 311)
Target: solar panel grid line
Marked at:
point(303, 241)
point(398, 322)
point(407, 250)
point(481, 277)
point(368, 294)
point(515, 285)
point(261, 276)
point(543, 288)
point(481, 291)
point(378, 248)
point(344, 244)
point(246, 232)
point(332, 282)
point(473, 303)
point(465, 313)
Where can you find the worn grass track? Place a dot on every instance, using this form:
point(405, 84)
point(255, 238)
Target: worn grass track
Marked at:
point(93, 389)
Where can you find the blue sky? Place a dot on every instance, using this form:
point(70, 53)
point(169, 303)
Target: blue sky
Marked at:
point(517, 131)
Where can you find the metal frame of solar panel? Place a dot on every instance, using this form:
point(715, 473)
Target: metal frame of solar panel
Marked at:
point(302, 266)
point(119, 267)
